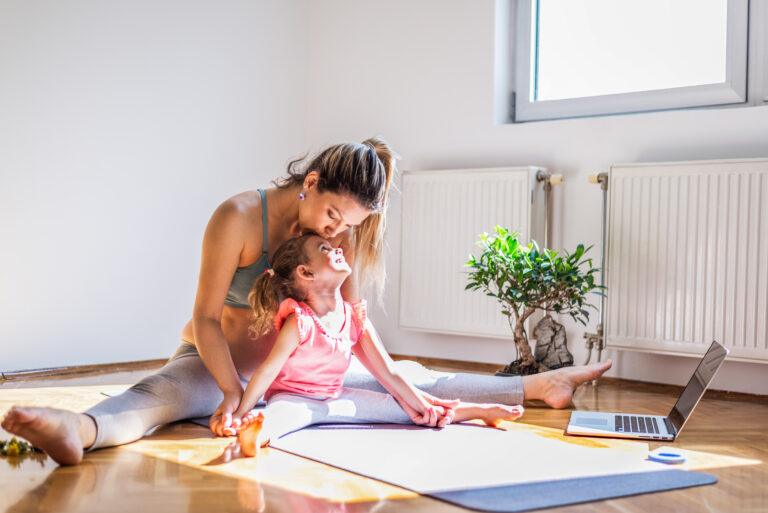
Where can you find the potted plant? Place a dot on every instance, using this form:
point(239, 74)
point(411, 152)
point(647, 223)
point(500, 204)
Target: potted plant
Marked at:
point(524, 279)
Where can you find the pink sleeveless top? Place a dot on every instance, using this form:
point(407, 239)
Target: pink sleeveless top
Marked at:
point(318, 364)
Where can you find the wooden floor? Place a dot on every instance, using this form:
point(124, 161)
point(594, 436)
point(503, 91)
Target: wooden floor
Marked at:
point(182, 468)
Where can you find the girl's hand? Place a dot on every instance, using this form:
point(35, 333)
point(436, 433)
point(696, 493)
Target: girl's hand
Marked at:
point(221, 423)
point(445, 403)
point(448, 407)
point(429, 415)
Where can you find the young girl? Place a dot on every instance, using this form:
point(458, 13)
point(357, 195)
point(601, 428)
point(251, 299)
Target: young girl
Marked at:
point(318, 331)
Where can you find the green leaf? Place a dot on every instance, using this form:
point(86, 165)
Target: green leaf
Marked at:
point(520, 274)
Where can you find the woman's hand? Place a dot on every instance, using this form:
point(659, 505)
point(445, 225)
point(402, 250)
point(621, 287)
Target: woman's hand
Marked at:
point(242, 418)
point(222, 423)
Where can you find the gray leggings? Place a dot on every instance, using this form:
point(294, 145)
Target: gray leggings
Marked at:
point(184, 389)
point(286, 413)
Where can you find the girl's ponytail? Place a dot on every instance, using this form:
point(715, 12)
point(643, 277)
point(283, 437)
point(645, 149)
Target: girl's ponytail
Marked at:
point(264, 300)
point(276, 284)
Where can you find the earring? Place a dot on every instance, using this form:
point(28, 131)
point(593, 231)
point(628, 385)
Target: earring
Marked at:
point(301, 195)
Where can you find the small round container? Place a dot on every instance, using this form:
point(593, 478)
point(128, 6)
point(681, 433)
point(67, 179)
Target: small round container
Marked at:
point(666, 457)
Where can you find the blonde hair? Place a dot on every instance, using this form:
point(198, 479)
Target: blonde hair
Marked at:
point(277, 283)
point(365, 171)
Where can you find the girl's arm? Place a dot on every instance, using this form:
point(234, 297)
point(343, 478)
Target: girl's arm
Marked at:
point(379, 363)
point(287, 341)
point(371, 353)
point(350, 292)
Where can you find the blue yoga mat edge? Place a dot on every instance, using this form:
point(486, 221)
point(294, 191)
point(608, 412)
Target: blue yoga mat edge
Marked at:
point(550, 494)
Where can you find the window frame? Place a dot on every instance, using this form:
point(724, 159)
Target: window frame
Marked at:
point(730, 92)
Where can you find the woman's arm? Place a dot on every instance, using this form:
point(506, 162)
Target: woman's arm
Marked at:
point(222, 246)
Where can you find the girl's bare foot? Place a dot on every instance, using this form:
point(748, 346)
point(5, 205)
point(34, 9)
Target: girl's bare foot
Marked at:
point(556, 387)
point(248, 436)
point(492, 414)
point(61, 434)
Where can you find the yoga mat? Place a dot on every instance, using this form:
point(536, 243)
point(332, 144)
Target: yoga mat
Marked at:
point(488, 469)
point(524, 468)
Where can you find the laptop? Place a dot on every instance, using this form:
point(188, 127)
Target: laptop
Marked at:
point(652, 427)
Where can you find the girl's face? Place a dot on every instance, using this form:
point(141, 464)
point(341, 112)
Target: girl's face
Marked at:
point(326, 263)
point(328, 214)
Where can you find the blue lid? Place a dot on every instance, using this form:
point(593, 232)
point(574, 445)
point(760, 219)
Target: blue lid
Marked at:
point(666, 457)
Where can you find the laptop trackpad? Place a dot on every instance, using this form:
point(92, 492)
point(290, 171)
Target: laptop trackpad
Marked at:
point(582, 420)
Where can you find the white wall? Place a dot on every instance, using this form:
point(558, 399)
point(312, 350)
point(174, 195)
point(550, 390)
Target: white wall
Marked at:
point(122, 126)
point(421, 74)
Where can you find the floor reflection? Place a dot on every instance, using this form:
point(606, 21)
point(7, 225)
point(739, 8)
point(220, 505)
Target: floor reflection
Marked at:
point(18, 461)
point(123, 480)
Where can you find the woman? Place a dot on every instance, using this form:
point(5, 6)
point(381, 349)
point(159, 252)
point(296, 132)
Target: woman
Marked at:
point(340, 194)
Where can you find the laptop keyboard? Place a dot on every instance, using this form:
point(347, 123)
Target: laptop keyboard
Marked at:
point(636, 424)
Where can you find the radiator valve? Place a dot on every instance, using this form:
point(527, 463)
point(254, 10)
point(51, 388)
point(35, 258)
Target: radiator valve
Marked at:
point(601, 178)
point(549, 179)
point(595, 341)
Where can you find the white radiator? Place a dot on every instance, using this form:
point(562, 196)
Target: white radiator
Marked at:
point(687, 257)
point(443, 214)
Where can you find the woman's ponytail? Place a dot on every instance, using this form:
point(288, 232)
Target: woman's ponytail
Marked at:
point(369, 235)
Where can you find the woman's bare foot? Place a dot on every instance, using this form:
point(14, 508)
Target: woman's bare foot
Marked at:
point(556, 387)
point(248, 436)
point(61, 434)
point(491, 414)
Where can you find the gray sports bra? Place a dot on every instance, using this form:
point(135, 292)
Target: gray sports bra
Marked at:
point(242, 281)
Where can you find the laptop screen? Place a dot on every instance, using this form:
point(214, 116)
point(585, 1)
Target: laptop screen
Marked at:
point(699, 382)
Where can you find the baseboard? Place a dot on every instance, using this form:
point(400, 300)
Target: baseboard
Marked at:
point(76, 371)
point(459, 365)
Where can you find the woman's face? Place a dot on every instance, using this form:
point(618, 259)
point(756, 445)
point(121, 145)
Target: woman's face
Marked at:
point(328, 214)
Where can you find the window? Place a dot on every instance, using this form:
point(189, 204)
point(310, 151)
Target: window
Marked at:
point(596, 57)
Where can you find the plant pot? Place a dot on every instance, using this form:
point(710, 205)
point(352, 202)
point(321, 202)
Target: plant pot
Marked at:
point(518, 370)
